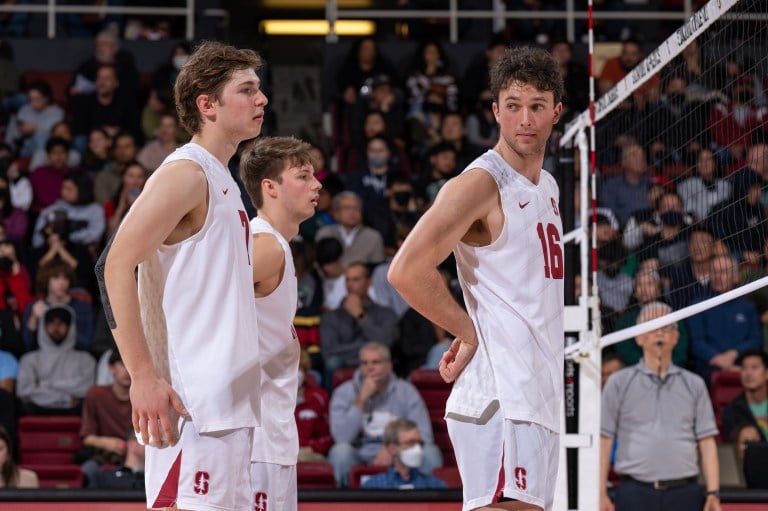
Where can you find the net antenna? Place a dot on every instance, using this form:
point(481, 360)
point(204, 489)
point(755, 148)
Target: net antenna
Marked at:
point(712, 105)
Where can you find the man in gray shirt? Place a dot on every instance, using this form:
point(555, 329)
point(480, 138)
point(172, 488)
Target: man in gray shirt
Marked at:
point(659, 414)
point(362, 407)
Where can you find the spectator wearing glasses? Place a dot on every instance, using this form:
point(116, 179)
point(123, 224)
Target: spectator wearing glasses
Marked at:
point(403, 443)
point(362, 407)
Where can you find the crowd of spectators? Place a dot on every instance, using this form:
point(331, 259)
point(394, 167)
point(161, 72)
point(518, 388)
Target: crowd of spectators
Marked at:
point(70, 173)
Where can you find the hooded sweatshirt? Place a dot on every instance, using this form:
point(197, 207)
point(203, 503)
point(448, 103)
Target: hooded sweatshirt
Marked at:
point(54, 374)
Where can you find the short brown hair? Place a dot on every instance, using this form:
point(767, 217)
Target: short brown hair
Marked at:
point(50, 270)
point(208, 69)
point(530, 66)
point(267, 158)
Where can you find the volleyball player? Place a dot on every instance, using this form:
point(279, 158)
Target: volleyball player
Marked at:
point(279, 177)
point(187, 331)
point(500, 217)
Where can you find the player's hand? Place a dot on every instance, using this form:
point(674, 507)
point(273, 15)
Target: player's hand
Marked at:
point(712, 503)
point(606, 504)
point(156, 410)
point(456, 358)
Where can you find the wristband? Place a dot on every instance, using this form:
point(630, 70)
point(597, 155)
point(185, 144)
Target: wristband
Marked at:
point(714, 493)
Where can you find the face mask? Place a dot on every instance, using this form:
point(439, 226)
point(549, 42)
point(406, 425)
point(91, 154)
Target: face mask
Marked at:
point(180, 60)
point(377, 161)
point(671, 218)
point(413, 456)
point(402, 198)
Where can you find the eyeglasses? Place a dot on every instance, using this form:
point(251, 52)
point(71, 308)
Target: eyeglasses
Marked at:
point(410, 443)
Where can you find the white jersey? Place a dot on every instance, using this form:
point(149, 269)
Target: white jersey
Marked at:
point(277, 440)
point(198, 308)
point(513, 291)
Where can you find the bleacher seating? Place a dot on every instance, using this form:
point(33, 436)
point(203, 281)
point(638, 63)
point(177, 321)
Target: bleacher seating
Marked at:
point(48, 439)
point(59, 477)
point(725, 387)
point(58, 80)
point(434, 391)
point(314, 475)
point(450, 475)
point(342, 375)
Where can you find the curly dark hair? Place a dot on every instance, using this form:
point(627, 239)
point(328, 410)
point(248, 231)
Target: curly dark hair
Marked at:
point(527, 65)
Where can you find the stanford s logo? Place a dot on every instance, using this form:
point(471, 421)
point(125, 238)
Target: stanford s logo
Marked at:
point(260, 502)
point(202, 480)
point(554, 206)
point(520, 481)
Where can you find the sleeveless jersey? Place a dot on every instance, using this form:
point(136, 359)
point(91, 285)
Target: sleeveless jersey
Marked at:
point(277, 439)
point(198, 308)
point(513, 291)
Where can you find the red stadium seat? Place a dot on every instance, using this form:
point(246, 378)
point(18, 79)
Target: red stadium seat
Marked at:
point(342, 375)
point(48, 439)
point(58, 476)
point(58, 80)
point(50, 423)
point(359, 473)
point(443, 441)
point(726, 386)
point(675, 170)
point(450, 475)
point(434, 391)
point(314, 474)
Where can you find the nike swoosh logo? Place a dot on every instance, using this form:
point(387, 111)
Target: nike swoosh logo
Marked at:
point(523, 204)
point(225, 190)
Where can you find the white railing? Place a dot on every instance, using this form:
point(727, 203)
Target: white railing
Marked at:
point(453, 14)
point(52, 8)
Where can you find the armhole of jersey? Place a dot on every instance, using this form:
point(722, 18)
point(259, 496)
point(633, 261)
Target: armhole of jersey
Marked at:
point(209, 200)
point(500, 204)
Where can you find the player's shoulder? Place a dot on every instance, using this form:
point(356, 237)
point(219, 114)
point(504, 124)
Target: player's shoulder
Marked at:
point(473, 181)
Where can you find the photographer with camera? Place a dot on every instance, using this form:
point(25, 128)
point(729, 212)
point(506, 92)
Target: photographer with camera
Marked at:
point(85, 217)
point(58, 249)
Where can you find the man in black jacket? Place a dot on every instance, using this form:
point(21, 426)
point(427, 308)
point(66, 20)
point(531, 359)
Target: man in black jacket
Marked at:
point(751, 407)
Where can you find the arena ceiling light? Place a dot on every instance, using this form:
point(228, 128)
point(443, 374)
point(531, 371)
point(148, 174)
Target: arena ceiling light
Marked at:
point(317, 27)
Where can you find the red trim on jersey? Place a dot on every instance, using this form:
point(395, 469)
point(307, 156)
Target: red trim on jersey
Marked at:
point(169, 491)
point(500, 485)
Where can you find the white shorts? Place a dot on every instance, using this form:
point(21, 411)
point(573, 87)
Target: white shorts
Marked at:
point(209, 472)
point(502, 457)
point(274, 487)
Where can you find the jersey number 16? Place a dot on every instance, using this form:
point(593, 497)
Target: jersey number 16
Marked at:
point(550, 246)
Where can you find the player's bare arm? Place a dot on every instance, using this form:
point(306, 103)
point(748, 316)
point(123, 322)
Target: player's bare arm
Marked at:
point(460, 213)
point(268, 264)
point(171, 208)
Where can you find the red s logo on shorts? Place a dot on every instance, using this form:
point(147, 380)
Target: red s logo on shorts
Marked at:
point(261, 501)
point(520, 481)
point(202, 480)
